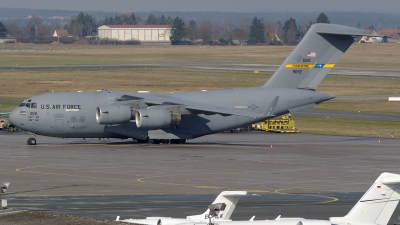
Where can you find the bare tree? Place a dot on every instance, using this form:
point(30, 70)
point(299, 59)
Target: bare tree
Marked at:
point(271, 27)
point(240, 34)
point(228, 29)
point(191, 30)
point(245, 25)
point(205, 31)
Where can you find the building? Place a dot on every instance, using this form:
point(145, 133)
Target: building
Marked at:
point(8, 40)
point(142, 33)
point(390, 35)
point(61, 33)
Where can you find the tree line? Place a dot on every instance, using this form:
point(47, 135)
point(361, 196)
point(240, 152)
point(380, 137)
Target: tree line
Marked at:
point(251, 31)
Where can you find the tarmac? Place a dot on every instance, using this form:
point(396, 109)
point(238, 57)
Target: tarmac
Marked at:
point(297, 175)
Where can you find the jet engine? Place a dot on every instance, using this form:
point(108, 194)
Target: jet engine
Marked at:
point(155, 118)
point(113, 114)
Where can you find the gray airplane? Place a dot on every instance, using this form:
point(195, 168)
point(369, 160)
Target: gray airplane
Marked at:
point(176, 117)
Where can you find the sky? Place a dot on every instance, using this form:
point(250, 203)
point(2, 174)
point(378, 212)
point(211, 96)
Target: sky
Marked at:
point(381, 6)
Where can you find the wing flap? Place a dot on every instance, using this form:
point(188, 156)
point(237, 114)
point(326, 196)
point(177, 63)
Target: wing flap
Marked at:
point(201, 108)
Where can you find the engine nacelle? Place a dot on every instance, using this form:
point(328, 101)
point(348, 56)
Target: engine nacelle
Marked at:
point(155, 118)
point(113, 114)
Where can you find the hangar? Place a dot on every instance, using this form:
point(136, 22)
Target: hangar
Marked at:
point(143, 33)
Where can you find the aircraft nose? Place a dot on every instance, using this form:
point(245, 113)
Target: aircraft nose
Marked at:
point(13, 117)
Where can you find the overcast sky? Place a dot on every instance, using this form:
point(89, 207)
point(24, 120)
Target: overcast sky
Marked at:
point(381, 6)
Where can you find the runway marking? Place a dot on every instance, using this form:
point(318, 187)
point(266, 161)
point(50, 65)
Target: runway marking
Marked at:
point(143, 180)
point(333, 199)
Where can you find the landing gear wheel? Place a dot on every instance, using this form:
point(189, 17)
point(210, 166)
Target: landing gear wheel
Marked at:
point(31, 141)
point(142, 141)
point(178, 141)
point(160, 141)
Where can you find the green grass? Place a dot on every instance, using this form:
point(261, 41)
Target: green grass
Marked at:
point(365, 106)
point(384, 56)
point(355, 85)
point(9, 104)
point(24, 84)
point(348, 126)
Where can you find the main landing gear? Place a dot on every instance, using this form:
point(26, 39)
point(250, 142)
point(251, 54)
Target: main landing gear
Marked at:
point(31, 140)
point(166, 141)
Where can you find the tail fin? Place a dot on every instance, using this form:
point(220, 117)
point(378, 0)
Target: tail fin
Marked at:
point(229, 200)
point(378, 203)
point(315, 55)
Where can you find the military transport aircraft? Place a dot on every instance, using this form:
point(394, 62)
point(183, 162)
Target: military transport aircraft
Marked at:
point(374, 208)
point(176, 117)
point(226, 202)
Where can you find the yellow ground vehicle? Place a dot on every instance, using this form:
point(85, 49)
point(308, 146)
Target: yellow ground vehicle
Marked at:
point(5, 125)
point(2, 121)
point(284, 125)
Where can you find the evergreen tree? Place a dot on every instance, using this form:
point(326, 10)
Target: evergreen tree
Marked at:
point(162, 20)
point(290, 33)
point(169, 20)
point(192, 23)
point(132, 19)
point(177, 31)
point(82, 25)
point(151, 19)
point(3, 30)
point(322, 18)
point(191, 30)
point(110, 21)
point(32, 31)
point(117, 20)
point(256, 34)
point(106, 20)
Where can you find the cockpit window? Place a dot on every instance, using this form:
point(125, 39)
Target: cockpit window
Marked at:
point(22, 104)
point(33, 105)
point(28, 105)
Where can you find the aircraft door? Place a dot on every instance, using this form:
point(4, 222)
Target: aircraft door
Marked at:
point(58, 126)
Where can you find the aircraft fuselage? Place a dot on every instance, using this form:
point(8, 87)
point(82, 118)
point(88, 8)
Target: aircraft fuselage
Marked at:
point(73, 114)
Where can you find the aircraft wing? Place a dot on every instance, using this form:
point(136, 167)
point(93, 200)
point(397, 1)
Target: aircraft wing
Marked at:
point(204, 108)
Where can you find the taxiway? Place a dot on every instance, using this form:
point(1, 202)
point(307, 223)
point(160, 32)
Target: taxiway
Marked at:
point(105, 178)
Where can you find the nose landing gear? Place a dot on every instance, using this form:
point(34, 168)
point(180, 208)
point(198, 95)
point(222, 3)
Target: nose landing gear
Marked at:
point(31, 140)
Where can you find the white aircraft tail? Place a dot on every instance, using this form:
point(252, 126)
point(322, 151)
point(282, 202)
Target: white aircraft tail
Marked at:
point(378, 203)
point(229, 199)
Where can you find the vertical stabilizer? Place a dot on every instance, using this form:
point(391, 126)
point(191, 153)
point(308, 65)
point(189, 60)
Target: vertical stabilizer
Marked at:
point(315, 55)
point(229, 200)
point(378, 203)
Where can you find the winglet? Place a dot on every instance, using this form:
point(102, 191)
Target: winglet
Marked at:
point(117, 218)
point(269, 111)
point(252, 218)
